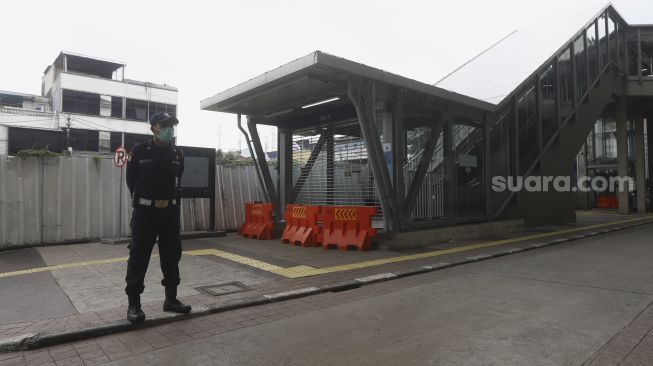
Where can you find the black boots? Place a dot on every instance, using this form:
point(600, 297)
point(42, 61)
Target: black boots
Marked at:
point(174, 305)
point(135, 314)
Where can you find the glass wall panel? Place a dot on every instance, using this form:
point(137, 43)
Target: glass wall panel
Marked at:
point(565, 83)
point(468, 150)
point(612, 35)
point(581, 69)
point(603, 42)
point(548, 104)
point(501, 160)
point(605, 141)
point(621, 32)
point(592, 49)
point(646, 37)
point(527, 123)
point(632, 47)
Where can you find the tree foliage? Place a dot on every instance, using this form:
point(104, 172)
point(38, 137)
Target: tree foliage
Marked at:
point(231, 159)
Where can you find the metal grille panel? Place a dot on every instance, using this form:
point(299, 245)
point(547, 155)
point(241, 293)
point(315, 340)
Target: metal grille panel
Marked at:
point(330, 167)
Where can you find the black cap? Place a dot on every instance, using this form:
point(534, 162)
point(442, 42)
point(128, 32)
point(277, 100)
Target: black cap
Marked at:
point(160, 117)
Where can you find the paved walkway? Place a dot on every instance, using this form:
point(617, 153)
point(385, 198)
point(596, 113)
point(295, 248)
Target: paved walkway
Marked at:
point(65, 288)
point(586, 302)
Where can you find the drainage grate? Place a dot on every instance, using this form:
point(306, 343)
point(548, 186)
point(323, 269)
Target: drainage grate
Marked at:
point(223, 288)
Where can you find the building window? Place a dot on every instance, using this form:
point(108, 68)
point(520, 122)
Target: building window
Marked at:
point(105, 141)
point(161, 107)
point(105, 105)
point(116, 107)
point(136, 110)
point(84, 140)
point(82, 103)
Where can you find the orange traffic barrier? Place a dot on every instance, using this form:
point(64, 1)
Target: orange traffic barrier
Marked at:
point(258, 221)
point(301, 226)
point(348, 226)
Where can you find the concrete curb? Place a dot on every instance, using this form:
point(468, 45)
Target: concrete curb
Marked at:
point(44, 339)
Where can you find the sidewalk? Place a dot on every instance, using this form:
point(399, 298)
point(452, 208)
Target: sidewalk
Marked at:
point(77, 290)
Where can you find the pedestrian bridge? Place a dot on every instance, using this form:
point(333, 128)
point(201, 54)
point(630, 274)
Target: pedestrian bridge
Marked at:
point(351, 134)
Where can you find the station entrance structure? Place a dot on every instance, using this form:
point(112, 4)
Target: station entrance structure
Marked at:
point(351, 134)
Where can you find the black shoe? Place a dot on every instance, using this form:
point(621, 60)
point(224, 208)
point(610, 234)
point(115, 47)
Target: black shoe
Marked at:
point(135, 314)
point(176, 306)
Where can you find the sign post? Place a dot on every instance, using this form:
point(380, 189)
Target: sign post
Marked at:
point(120, 157)
point(119, 160)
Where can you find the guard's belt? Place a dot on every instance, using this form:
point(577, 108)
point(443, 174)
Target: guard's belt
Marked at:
point(156, 203)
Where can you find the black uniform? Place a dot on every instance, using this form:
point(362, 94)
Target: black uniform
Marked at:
point(153, 175)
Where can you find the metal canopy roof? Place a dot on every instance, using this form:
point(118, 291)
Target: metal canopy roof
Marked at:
point(310, 79)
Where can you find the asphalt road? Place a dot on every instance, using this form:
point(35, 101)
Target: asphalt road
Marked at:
point(554, 306)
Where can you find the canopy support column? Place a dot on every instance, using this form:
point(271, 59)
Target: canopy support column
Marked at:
point(361, 92)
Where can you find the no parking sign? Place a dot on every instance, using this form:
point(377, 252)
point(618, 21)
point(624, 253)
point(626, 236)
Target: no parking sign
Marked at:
point(120, 157)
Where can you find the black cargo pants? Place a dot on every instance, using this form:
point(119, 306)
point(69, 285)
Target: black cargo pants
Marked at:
point(148, 223)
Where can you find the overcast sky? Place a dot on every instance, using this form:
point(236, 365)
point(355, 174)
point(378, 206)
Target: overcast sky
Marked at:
point(204, 47)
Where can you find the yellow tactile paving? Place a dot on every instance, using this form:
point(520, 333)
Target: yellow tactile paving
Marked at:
point(306, 271)
point(600, 213)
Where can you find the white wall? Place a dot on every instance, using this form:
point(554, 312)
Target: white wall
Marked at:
point(48, 81)
point(104, 124)
point(115, 88)
point(15, 117)
point(4, 146)
point(36, 106)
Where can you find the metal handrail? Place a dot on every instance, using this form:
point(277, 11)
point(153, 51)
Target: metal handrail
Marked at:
point(610, 65)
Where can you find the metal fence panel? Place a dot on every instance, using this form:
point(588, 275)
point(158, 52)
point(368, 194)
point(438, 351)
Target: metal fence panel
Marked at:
point(60, 199)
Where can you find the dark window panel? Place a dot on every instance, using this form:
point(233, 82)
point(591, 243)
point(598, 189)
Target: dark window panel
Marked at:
point(528, 135)
point(592, 49)
point(548, 104)
point(116, 107)
point(565, 83)
point(25, 138)
point(136, 110)
point(603, 41)
point(581, 69)
point(84, 140)
point(612, 35)
point(82, 103)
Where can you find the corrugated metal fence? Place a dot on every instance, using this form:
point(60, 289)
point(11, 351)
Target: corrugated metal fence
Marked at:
point(52, 200)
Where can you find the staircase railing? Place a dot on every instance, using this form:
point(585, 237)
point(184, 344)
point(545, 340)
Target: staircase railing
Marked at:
point(600, 43)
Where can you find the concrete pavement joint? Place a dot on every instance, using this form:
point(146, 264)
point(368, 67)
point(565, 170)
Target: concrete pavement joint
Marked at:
point(412, 272)
point(38, 340)
point(437, 266)
point(293, 293)
point(376, 278)
point(341, 286)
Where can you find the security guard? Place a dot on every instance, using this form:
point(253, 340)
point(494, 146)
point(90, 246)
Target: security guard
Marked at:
point(154, 170)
